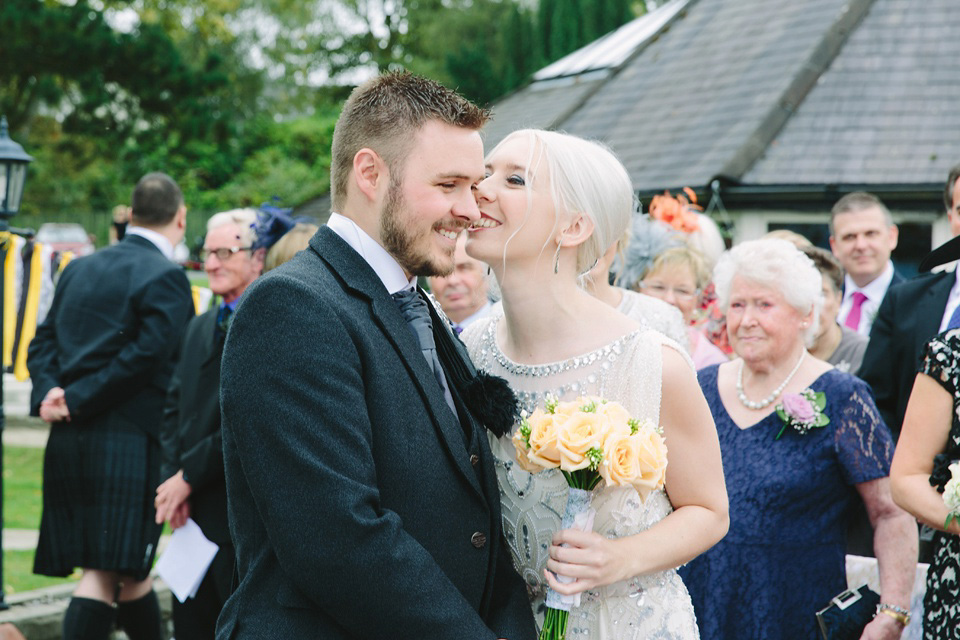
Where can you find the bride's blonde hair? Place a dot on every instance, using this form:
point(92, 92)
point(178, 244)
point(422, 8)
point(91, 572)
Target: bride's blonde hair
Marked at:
point(586, 178)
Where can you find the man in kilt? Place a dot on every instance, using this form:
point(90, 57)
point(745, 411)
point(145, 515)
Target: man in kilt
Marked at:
point(100, 364)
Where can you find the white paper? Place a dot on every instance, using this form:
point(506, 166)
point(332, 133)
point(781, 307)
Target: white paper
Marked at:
point(185, 560)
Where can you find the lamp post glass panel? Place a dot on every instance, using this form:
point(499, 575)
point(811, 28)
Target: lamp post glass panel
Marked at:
point(13, 174)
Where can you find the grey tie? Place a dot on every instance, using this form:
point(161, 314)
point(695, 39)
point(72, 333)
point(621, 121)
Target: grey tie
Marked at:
point(417, 314)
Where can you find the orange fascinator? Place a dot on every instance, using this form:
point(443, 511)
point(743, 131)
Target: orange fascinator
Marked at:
point(680, 211)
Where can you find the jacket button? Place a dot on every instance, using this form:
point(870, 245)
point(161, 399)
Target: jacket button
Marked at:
point(478, 540)
point(474, 459)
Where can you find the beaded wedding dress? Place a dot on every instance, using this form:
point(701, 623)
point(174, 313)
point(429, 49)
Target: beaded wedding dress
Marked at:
point(628, 371)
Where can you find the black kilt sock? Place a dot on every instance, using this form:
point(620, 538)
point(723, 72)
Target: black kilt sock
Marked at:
point(140, 618)
point(88, 619)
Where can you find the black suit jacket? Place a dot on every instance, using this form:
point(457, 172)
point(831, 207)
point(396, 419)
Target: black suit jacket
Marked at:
point(908, 318)
point(191, 427)
point(358, 505)
point(112, 334)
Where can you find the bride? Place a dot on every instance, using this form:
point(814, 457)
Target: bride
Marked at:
point(550, 205)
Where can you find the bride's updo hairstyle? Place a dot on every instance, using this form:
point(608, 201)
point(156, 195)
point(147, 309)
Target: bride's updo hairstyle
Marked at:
point(778, 265)
point(585, 177)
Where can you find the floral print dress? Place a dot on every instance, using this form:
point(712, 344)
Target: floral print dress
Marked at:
point(941, 604)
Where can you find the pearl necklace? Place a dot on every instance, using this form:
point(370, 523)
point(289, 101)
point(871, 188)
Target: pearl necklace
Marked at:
point(766, 402)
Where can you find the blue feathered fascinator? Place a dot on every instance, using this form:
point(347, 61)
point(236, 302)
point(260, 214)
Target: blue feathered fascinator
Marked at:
point(648, 239)
point(272, 222)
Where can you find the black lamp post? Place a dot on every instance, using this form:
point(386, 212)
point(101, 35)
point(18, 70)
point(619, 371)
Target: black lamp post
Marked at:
point(13, 175)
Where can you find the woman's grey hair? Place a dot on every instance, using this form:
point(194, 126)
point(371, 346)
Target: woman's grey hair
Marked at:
point(244, 218)
point(779, 265)
point(587, 178)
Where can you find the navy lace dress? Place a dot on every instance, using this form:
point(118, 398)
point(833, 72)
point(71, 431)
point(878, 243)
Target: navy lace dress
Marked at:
point(783, 558)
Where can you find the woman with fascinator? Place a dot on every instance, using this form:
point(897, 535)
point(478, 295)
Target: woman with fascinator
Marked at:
point(550, 206)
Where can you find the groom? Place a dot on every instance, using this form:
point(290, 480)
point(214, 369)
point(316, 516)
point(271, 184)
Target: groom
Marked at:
point(362, 496)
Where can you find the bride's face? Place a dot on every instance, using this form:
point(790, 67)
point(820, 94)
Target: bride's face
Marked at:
point(517, 215)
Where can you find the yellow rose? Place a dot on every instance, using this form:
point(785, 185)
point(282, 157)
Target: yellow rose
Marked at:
point(567, 409)
point(615, 415)
point(578, 434)
point(523, 460)
point(651, 461)
point(543, 450)
point(621, 460)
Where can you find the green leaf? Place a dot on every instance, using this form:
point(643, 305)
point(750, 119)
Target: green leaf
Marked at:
point(822, 420)
point(820, 399)
point(782, 414)
point(950, 518)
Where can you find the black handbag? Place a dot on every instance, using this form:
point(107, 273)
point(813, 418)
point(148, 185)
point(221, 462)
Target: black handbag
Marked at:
point(848, 613)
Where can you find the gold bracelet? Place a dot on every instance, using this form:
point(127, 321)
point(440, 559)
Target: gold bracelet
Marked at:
point(899, 617)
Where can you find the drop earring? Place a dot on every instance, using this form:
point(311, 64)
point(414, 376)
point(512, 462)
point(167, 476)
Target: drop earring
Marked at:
point(556, 258)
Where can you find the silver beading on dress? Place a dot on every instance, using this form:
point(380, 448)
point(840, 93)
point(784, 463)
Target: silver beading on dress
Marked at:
point(628, 370)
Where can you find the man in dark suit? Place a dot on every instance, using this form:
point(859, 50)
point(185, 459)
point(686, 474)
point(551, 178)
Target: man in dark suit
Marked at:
point(862, 237)
point(911, 314)
point(192, 449)
point(362, 496)
point(100, 365)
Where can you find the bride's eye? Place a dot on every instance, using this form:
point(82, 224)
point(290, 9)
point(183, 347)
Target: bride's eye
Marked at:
point(517, 180)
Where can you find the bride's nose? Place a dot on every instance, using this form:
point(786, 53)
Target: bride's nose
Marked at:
point(483, 190)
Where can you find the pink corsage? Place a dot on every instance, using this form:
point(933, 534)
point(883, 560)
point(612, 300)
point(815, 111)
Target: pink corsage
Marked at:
point(803, 411)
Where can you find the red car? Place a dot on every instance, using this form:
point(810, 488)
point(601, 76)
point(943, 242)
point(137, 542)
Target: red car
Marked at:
point(65, 236)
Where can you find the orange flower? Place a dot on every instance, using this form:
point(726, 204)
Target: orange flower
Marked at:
point(678, 211)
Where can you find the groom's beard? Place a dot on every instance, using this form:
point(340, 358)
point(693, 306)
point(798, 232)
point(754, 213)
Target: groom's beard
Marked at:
point(404, 238)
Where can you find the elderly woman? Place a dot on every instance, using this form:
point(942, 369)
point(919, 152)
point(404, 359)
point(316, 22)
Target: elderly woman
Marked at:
point(793, 467)
point(678, 276)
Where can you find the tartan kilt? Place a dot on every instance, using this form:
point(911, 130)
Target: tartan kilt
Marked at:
point(99, 482)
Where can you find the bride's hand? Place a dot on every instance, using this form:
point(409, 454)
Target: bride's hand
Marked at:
point(591, 559)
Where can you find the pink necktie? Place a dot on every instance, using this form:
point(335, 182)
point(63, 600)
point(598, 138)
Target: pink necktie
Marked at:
point(853, 318)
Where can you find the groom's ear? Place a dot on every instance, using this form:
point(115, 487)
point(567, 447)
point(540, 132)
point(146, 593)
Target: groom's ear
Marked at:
point(577, 231)
point(369, 173)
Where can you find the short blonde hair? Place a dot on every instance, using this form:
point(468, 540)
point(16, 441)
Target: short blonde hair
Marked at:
point(683, 256)
point(289, 244)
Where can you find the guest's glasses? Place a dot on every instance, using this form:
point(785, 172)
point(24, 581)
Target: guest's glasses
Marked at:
point(660, 290)
point(223, 253)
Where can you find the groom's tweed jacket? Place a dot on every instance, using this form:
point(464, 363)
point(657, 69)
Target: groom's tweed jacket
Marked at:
point(358, 506)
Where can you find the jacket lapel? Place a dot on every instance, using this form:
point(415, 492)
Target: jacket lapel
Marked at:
point(934, 302)
point(208, 346)
point(359, 277)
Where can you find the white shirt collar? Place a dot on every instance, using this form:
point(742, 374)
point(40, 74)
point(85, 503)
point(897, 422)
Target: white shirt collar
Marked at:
point(158, 239)
point(875, 289)
point(384, 265)
point(479, 313)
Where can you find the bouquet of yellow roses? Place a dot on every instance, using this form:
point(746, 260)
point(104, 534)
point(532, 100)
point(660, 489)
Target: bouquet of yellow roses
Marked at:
point(589, 440)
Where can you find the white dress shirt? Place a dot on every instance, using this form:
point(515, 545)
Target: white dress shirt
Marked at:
point(874, 290)
point(953, 301)
point(158, 239)
point(482, 312)
point(384, 265)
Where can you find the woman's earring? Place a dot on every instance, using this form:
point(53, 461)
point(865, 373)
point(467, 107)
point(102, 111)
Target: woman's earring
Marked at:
point(556, 259)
